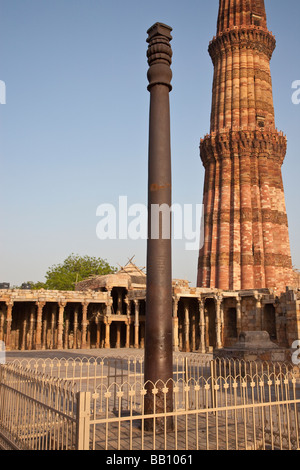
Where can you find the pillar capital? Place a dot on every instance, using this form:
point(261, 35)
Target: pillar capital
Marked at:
point(107, 320)
point(258, 297)
point(218, 300)
point(159, 55)
point(62, 303)
point(9, 303)
point(159, 30)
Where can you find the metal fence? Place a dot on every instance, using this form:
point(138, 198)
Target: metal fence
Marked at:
point(249, 412)
point(37, 412)
point(99, 404)
point(89, 372)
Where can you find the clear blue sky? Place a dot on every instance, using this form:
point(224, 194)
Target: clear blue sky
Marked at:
point(74, 129)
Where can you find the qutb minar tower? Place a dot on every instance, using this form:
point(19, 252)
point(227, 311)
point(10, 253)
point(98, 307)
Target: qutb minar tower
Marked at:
point(246, 239)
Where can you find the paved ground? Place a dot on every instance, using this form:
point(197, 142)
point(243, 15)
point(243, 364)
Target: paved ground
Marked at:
point(81, 353)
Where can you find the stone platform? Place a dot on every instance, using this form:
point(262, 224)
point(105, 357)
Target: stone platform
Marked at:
point(255, 346)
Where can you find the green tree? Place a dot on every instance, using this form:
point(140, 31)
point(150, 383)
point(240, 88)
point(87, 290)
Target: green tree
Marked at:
point(75, 268)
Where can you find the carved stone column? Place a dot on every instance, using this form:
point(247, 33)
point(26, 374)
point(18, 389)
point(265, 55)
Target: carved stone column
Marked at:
point(60, 325)
point(126, 308)
point(186, 327)
point(201, 325)
point(9, 305)
point(238, 315)
point(24, 330)
point(52, 344)
point(66, 330)
point(109, 304)
point(206, 329)
point(84, 324)
point(2, 319)
point(136, 323)
point(44, 331)
point(193, 324)
point(127, 323)
point(38, 340)
point(218, 301)
point(31, 327)
point(175, 324)
point(120, 303)
point(222, 322)
point(75, 327)
point(180, 334)
point(258, 306)
point(98, 340)
point(107, 322)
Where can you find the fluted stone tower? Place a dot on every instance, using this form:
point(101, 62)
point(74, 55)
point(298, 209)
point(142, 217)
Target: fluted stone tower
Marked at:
point(246, 239)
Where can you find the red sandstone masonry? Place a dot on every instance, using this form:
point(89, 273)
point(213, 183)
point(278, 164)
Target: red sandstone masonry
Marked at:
point(246, 240)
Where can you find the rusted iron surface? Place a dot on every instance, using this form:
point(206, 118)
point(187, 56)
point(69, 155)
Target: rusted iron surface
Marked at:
point(158, 341)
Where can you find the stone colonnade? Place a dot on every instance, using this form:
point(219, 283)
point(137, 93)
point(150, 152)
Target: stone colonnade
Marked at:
point(191, 324)
point(72, 320)
point(202, 320)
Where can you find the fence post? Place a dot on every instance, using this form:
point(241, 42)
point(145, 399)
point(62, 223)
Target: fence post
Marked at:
point(186, 371)
point(83, 420)
point(213, 382)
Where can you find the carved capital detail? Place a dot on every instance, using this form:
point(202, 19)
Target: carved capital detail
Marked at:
point(251, 143)
point(159, 55)
point(242, 37)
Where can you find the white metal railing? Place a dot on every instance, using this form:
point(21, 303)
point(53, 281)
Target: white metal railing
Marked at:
point(99, 403)
point(249, 412)
point(36, 412)
point(88, 372)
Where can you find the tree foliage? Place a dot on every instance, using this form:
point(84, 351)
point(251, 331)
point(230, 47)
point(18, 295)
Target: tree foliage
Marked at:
point(74, 268)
